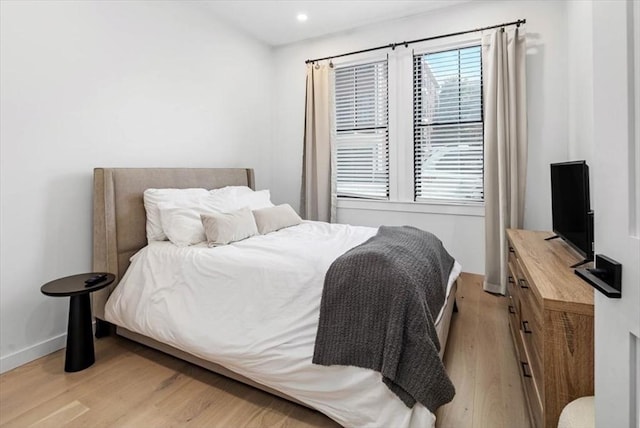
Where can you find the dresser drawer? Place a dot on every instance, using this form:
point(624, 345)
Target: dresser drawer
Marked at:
point(522, 288)
point(513, 292)
point(532, 331)
point(514, 328)
point(512, 254)
point(521, 281)
point(534, 401)
point(531, 383)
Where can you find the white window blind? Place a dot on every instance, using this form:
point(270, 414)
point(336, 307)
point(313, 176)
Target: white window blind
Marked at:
point(448, 125)
point(362, 130)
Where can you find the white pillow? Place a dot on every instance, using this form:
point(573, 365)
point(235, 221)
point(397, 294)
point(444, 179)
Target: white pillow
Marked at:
point(225, 228)
point(231, 191)
point(227, 201)
point(177, 197)
point(275, 218)
point(182, 226)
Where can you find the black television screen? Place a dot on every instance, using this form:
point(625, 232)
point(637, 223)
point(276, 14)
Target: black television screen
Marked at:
point(570, 206)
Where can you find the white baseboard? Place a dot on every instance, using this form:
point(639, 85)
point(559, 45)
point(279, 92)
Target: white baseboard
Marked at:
point(24, 356)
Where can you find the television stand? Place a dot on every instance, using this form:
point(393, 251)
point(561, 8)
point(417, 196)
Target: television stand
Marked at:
point(587, 260)
point(580, 263)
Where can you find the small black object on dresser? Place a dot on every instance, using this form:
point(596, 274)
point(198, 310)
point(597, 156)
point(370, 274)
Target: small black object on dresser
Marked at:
point(80, 353)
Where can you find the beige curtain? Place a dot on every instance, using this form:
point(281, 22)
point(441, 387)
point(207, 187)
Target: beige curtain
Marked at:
point(505, 152)
point(315, 201)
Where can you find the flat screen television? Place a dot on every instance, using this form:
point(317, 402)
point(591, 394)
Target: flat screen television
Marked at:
point(570, 206)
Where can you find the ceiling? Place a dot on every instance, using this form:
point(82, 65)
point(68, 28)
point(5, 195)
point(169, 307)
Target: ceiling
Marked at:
point(274, 22)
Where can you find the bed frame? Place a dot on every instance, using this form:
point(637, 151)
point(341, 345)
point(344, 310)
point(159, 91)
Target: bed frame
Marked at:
point(119, 231)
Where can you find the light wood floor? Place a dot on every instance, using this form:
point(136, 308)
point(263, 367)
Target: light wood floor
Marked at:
point(131, 385)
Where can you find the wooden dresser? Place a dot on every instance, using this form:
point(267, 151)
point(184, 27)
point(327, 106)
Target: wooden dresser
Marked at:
point(551, 320)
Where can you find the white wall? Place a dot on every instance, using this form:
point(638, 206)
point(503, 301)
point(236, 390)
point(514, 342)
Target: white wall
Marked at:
point(547, 110)
point(580, 56)
point(113, 84)
point(462, 234)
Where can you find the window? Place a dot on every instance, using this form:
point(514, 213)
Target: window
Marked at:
point(431, 154)
point(362, 130)
point(448, 127)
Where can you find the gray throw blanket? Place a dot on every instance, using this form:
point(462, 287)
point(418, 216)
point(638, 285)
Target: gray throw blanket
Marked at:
point(378, 307)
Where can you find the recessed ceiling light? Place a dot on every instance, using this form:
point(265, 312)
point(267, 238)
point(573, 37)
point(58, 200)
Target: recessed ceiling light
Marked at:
point(302, 17)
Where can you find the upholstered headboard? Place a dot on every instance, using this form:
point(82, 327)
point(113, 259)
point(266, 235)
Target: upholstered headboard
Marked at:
point(119, 217)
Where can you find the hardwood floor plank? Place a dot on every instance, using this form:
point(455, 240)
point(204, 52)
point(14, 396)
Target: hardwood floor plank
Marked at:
point(62, 416)
point(131, 385)
point(489, 409)
point(460, 357)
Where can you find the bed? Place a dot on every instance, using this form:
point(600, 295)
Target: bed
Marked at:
point(350, 395)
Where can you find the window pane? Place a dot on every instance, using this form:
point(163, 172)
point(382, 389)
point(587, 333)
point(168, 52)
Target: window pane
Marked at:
point(448, 127)
point(361, 132)
point(449, 162)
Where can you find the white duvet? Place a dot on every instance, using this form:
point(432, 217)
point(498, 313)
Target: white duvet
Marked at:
point(253, 307)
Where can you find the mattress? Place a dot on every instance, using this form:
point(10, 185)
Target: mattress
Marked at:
point(253, 308)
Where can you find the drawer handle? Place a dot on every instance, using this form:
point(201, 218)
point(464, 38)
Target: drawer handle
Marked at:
point(511, 280)
point(523, 283)
point(525, 369)
point(525, 327)
point(512, 310)
point(511, 250)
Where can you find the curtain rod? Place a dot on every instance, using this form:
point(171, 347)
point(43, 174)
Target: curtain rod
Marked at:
point(407, 43)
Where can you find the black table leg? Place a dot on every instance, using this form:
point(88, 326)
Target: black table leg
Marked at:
point(80, 353)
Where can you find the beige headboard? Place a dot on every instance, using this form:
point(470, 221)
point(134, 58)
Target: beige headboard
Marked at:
point(119, 218)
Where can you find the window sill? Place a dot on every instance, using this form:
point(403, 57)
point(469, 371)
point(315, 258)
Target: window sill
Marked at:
point(412, 207)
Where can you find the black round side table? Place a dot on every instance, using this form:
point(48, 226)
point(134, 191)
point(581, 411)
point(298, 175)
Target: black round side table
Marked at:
point(80, 353)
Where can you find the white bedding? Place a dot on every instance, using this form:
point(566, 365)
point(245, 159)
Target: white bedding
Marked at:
point(254, 310)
